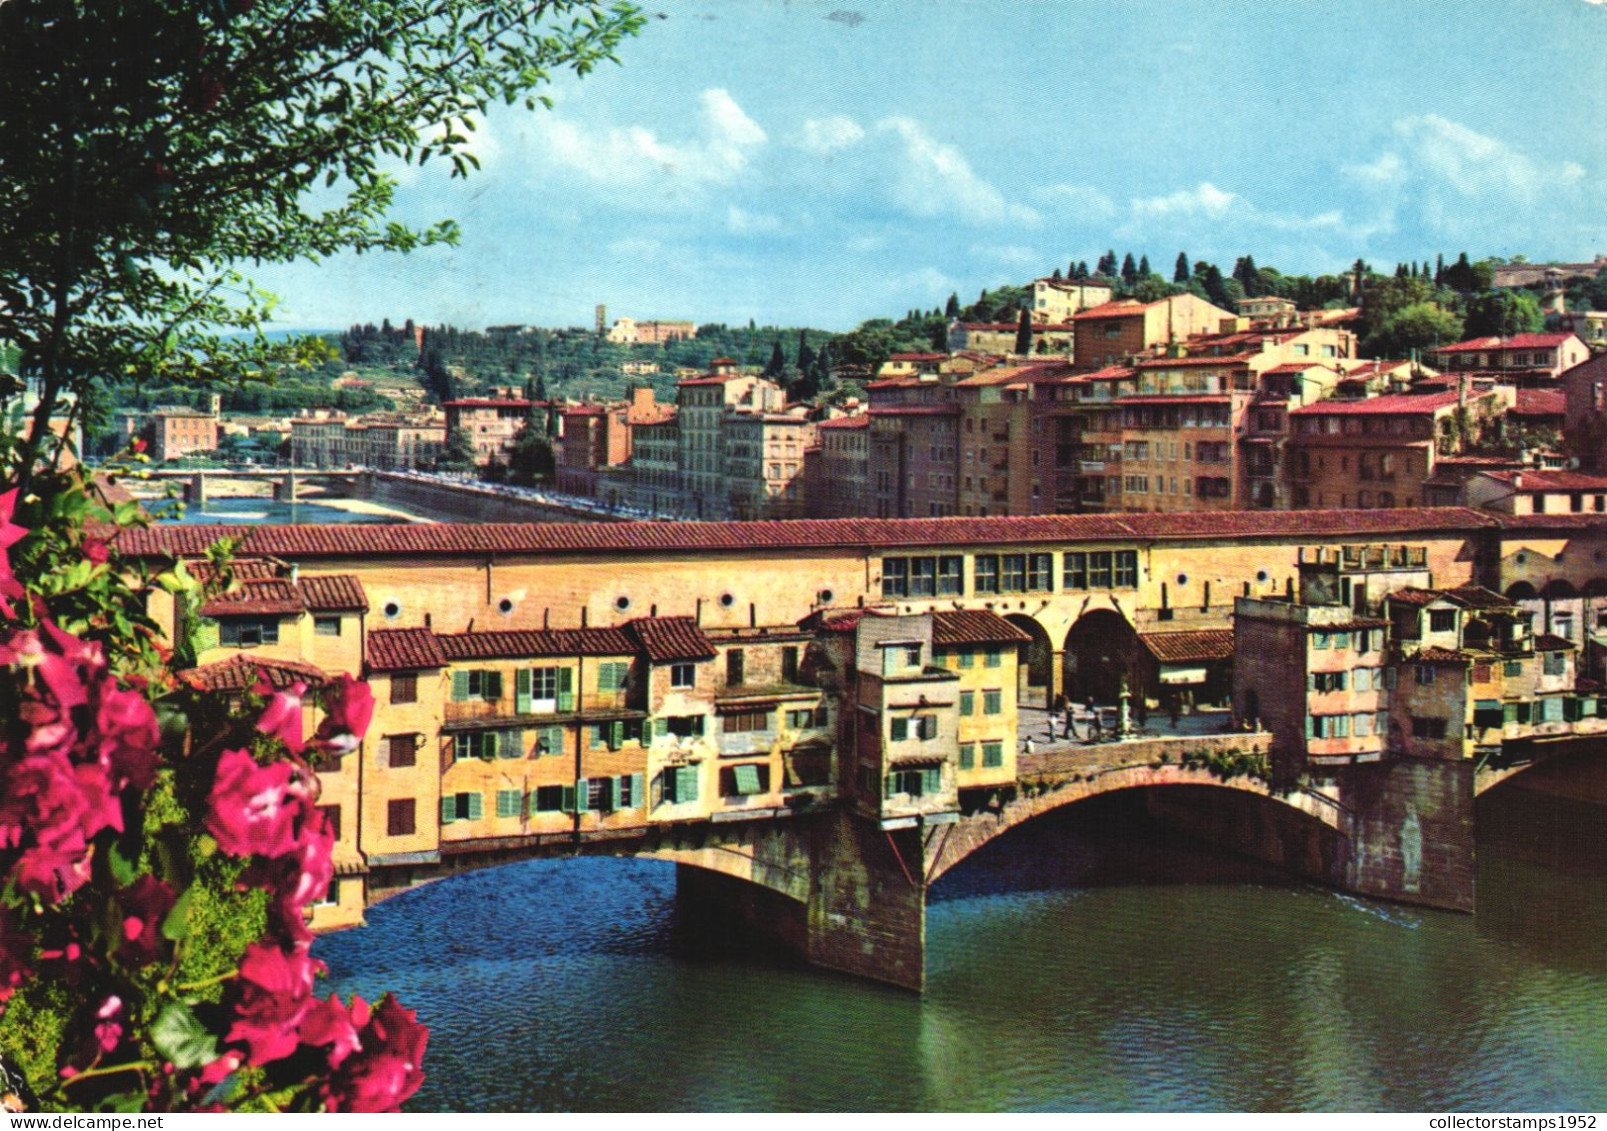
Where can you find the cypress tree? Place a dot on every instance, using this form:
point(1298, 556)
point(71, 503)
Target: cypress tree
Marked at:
point(1216, 288)
point(777, 363)
point(1180, 273)
point(1143, 267)
point(1056, 276)
point(1129, 270)
point(1024, 333)
point(806, 355)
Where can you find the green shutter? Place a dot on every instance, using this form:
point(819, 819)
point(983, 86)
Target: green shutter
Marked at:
point(512, 744)
point(566, 689)
point(933, 779)
point(460, 686)
point(622, 789)
point(554, 739)
point(474, 807)
point(638, 791)
point(568, 802)
point(616, 734)
point(582, 796)
point(686, 783)
point(449, 809)
point(647, 732)
point(521, 691)
point(747, 779)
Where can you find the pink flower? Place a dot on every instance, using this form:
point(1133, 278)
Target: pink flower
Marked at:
point(96, 550)
point(144, 904)
point(331, 1024)
point(128, 736)
point(256, 809)
point(272, 994)
point(51, 810)
point(387, 1067)
point(349, 707)
point(109, 1025)
point(281, 718)
point(16, 948)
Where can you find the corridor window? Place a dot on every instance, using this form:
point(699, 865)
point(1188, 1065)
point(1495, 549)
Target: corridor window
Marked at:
point(986, 573)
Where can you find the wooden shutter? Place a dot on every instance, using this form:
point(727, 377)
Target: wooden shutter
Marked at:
point(568, 802)
point(521, 691)
point(474, 807)
point(582, 796)
point(460, 686)
point(638, 791)
point(449, 809)
point(686, 783)
point(512, 744)
point(493, 685)
point(566, 689)
point(616, 734)
point(647, 732)
point(747, 779)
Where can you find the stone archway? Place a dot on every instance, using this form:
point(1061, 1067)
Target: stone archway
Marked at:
point(1521, 591)
point(1102, 650)
point(1038, 686)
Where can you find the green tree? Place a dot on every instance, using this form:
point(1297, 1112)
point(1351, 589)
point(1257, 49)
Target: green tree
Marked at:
point(777, 365)
point(1503, 314)
point(1180, 273)
point(1143, 267)
point(1216, 289)
point(457, 454)
point(151, 150)
point(1129, 270)
point(1024, 333)
point(952, 310)
point(1419, 326)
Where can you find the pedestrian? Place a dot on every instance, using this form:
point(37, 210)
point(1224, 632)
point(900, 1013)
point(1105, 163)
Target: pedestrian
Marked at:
point(1071, 727)
point(1027, 746)
point(1173, 709)
point(1062, 705)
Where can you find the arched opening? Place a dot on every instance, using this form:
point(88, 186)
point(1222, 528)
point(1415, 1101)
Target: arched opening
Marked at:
point(1103, 655)
point(1559, 590)
point(1521, 591)
point(1037, 661)
point(1596, 587)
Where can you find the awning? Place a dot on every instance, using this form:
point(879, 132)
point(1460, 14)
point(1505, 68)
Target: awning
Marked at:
point(1487, 705)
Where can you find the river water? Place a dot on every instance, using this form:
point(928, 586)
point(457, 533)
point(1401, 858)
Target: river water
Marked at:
point(1088, 961)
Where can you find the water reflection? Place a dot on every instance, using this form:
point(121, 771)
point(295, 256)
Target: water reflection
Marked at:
point(1086, 961)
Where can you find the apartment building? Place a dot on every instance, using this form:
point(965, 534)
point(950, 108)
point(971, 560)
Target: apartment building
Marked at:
point(1114, 332)
point(177, 431)
point(490, 423)
point(764, 463)
point(1054, 301)
point(599, 436)
point(840, 483)
point(1523, 359)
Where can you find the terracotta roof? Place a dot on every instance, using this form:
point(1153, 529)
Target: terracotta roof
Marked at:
point(974, 626)
point(1196, 361)
point(256, 597)
point(404, 649)
point(243, 569)
point(486, 402)
point(545, 642)
point(914, 410)
point(1441, 656)
point(917, 357)
point(1391, 403)
point(1175, 398)
point(1540, 402)
point(333, 591)
point(1117, 309)
point(1549, 643)
point(1469, 346)
point(858, 420)
point(1189, 647)
point(1531, 480)
point(451, 538)
point(1296, 367)
point(239, 673)
point(671, 638)
point(1468, 596)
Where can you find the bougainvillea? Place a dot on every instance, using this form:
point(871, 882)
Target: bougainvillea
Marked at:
point(131, 843)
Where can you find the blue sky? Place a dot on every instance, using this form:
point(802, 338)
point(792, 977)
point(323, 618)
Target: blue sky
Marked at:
point(819, 163)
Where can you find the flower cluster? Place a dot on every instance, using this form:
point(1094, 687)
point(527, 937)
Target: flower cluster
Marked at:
point(101, 859)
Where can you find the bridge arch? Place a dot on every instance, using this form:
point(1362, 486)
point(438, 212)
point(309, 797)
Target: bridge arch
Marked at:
point(1521, 591)
point(1559, 589)
point(947, 846)
point(1596, 587)
point(1037, 661)
point(1102, 650)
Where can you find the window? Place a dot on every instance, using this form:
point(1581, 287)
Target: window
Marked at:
point(549, 741)
point(1013, 578)
point(476, 685)
point(993, 702)
point(1319, 641)
point(488, 744)
point(1428, 728)
point(992, 755)
point(1425, 673)
point(967, 658)
point(745, 722)
point(895, 577)
point(612, 675)
point(550, 798)
point(246, 633)
point(404, 687)
point(1363, 725)
point(1442, 620)
point(1511, 668)
point(399, 817)
point(950, 575)
point(967, 755)
point(915, 783)
point(967, 704)
point(510, 803)
point(991, 658)
point(332, 815)
point(679, 784)
point(683, 675)
point(1556, 663)
point(684, 726)
point(898, 729)
point(1040, 568)
point(326, 626)
point(401, 751)
point(460, 807)
point(789, 663)
point(912, 656)
point(744, 781)
point(1074, 570)
point(926, 727)
point(733, 667)
point(985, 573)
point(1328, 681)
point(1100, 569)
point(1330, 726)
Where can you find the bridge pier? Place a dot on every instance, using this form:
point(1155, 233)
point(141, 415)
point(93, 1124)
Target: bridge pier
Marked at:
point(196, 495)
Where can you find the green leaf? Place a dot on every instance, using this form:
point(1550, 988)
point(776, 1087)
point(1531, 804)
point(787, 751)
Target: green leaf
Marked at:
point(180, 1037)
point(123, 862)
point(176, 925)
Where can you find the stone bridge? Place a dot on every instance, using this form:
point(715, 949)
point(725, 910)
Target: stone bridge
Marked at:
point(843, 893)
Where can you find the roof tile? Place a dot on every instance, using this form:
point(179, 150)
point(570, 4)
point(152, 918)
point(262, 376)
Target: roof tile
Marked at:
point(671, 638)
point(974, 626)
point(1189, 647)
point(404, 649)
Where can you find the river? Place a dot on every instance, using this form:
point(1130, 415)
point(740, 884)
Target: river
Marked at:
point(1088, 961)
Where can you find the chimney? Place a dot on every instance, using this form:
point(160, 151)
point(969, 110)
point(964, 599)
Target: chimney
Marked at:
point(1517, 480)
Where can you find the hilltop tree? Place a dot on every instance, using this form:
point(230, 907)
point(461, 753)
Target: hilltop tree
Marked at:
point(1056, 276)
point(777, 365)
point(1216, 289)
point(1024, 332)
point(1503, 314)
point(952, 310)
point(1129, 270)
point(1180, 273)
point(150, 150)
point(1143, 267)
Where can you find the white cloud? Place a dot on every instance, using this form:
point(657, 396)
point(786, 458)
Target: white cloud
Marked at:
point(741, 222)
point(1205, 200)
point(1012, 255)
point(1084, 201)
point(862, 244)
point(726, 141)
point(929, 178)
point(1443, 158)
point(825, 135)
point(1388, 169)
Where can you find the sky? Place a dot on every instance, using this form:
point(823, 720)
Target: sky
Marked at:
point(820, 163)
